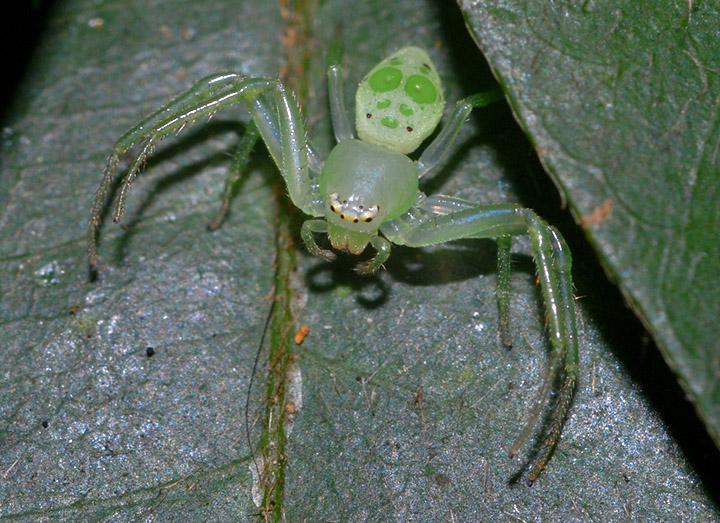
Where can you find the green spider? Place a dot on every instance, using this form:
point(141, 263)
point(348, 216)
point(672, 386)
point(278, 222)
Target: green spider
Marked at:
point(366, 191)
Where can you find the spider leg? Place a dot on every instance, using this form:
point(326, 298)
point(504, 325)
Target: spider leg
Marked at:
point(382, 246)
point(308, 231)
point(312, 227)
point(239, 163)
point(264, 112)
point(504, 245)
point(441, 145)
point(278, 122)
point(561, 254)
point(336, 93)
point(444, 205)
point(206, 88)
point(440, 219)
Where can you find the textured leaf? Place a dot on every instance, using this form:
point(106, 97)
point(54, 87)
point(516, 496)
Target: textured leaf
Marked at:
point(409, 403)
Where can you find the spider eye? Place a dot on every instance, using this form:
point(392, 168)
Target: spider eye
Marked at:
point(370, 213)
point(335, 205)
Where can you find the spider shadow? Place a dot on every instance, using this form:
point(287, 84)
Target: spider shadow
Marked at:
point(176, 149)
point(371, 291)
point(461, 260)
point(533, 445)
point(457, 261)
point(451, 262)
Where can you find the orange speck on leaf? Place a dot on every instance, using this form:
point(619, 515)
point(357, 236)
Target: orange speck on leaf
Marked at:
point(301, 334)
point(598, 214)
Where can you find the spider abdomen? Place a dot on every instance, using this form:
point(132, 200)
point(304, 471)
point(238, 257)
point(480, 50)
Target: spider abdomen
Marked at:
point(400, 101)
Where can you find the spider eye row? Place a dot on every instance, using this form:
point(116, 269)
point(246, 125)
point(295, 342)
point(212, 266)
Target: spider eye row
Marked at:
point(352, 213)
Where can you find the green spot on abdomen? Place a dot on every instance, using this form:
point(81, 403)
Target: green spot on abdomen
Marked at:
point(420, 89)
point(406, 110)
point(389, 122)
point(383, 104)
point(385, 79)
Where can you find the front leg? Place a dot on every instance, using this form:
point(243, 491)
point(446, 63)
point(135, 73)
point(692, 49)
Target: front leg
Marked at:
point(312, 227)
point(169, 118)
point(382, 248)
point(274, 111)
point(308, 231)
point(441, 219)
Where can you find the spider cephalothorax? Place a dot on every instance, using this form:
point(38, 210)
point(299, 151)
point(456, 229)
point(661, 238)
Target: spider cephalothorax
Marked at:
point(359, 184)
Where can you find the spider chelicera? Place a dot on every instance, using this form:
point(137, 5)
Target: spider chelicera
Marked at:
point(366, 191)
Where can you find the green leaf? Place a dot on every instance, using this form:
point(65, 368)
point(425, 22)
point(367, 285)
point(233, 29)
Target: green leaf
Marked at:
point(408, 402)
point(621, 103)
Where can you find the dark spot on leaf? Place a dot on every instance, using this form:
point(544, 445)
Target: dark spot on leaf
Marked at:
point(442, 480)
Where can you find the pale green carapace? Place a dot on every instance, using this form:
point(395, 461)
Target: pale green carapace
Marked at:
point(367, 190)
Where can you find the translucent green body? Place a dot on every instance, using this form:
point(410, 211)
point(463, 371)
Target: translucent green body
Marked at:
point(364, 185)
point(366, 192)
